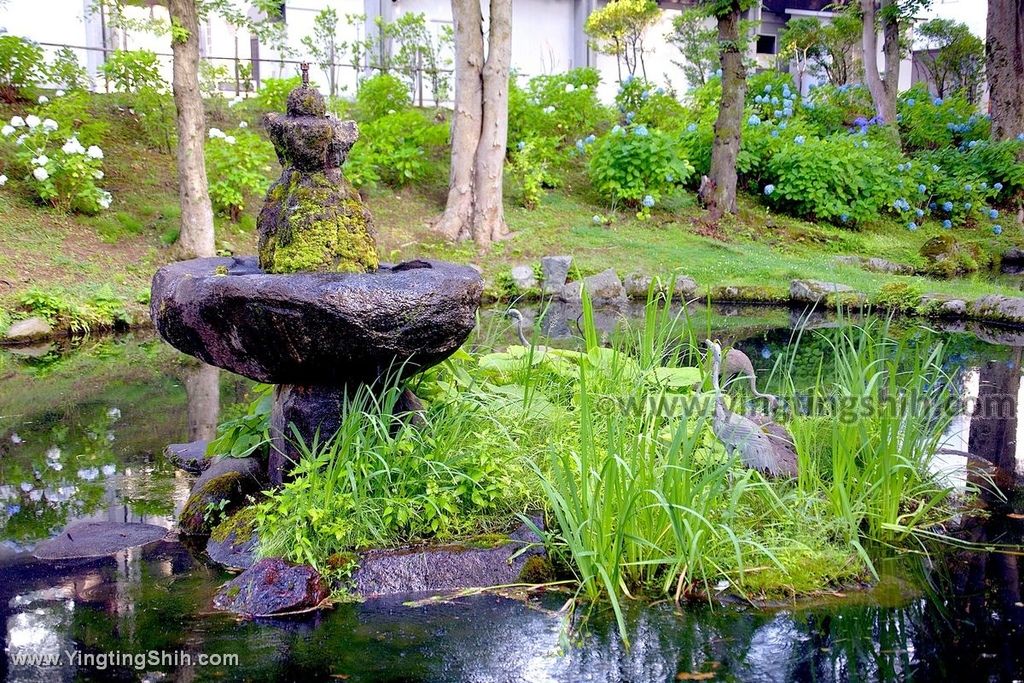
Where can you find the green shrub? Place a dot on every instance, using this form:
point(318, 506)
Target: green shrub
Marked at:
point(380, 96)
point(531, 163)
point(102, 310)
point(637, 166)
point(21, 67)
point(928, 122)
point(641, 102)
point(66, 72)
point(842, 178)
point(832, 109)
point(211, 76)
point(237, 165)
point(155, 112)
point(132, 70)
point(904, 297)
point(397, 149)
point(59, 170)
point(273, 93)
point(74, 112)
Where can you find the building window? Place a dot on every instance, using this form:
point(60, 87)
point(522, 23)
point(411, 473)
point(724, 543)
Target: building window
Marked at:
point(766, 45)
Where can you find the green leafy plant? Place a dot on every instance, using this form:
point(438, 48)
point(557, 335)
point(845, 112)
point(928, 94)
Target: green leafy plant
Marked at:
point(637, 166)
point(380, 96)
point(211, 76)
point(132, 70)
point(273, 93)
point(21, 67)
point(154, 110)
point(237, 163)
point(396, 149)
point(66, 72)
point(248, 433)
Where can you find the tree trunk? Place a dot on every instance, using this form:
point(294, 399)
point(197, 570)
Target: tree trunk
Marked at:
point(719, 194)
point(876, 86)
point(456, 223)
point(480, 124)
point(196, 237)
point(489, 215)
point(1004, 48)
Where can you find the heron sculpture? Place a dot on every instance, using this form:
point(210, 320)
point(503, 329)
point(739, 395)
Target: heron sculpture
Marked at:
point(737, 364)
point(760, 443)
point(520, 321)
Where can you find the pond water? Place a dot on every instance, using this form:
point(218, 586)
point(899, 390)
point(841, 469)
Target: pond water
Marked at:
point(81, 434)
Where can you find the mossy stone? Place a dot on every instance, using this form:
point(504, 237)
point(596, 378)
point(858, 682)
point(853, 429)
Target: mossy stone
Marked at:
point(315, 222)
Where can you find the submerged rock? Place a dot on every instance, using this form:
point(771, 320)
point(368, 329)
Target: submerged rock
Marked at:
point(273, 587)
point(27, 331)
point(556, 272)
point(489, 562)
point(233, 542)
point(97, 539)
point(190, 457)
point(312, 219)
point(224, 486)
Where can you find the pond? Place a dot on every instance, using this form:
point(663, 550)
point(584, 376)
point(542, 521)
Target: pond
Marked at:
point(82, 430)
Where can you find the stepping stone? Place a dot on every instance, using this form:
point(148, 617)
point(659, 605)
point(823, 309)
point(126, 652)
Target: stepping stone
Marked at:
point(273, 587)
point(97, 539)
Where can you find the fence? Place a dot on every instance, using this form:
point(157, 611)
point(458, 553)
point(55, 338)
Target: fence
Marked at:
point(248, 72)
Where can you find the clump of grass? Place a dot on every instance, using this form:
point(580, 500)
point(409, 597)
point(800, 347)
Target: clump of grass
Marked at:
point(101, 310)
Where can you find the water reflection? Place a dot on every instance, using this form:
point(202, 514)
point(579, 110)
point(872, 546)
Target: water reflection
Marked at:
point(81, 437)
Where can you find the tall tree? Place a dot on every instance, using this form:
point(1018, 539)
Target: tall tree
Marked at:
point(718, 192)
point(479, 124)
point(953, 56)
point(893, 17)
point(618, 29)
point(196, 237)
point(1004, 50)
point(697, 45)
point(323, 46)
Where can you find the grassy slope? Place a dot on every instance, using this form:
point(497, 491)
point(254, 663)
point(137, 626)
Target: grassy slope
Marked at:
point(121, 248)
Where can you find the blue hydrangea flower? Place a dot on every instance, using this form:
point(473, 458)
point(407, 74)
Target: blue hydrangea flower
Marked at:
point(968, 206)
point(912, 226)
point(968, 187)
point(972, 144)
point(922, 189)
point(1020, 138)
point(864, 144)
point(754, 120)
point(670, 178)
point(993, 214)
point(920, 213)
point(777, 113)
point(590, 139)
point(998, 187)
point(758, 99)
point(911, 102)
point(775, 133)
point(692, 128)
point(630, 115)
point(997, 229)
point(769, 190)
point(521, 146)
point(641, 130)
point(935, 168)
point(948, 206)
point(845, 218)
point(579, 145)
point(947, 224)
point(766, 353)
point(648, 201)
point(598, 219)
point(768, 88)
point(937, 101)
point(901, 168)
point(799, 139)
point(933, 206)
point(983, 185)
point(616, 129)
point(775, 100)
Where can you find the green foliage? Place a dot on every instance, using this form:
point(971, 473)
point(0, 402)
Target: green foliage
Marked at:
point(640, 102)
point(100, 311)
point(398, 148)
point(637, 166)
point(247, 433)
point(237, 165)
point(933, 123)
point(380, 96)
point(382, 481)
point(562, 106)
point(904, 297)
point(155, 113)
point(832, 109)
point(531, 163)
point(273, 93)
point(21, 66)
point(842, 176)
point(132, 70)
point(75, 112)
point(66, 72)
point(953, 56)
point(211, 76)
point(697, 44)
point(324, 47)
point(58, 170)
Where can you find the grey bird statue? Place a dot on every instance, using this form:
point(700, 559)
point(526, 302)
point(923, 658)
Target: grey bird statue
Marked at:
point(760, 443)
point(515, 315)
point(737, 364)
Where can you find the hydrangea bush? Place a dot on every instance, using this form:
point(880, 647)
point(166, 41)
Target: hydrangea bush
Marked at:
point(58, 170)
point(238, 166)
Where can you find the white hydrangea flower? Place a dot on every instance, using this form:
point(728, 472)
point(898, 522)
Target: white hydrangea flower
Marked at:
point(50, 125)
point(94, 152)
point(230, 139)
point(108, 470)
point(73, 146)
point(569, 87)
point(584, 87)
point(17, 122)
point(53, 453)
point(41, 160)
point(7, 130)
point(21, 139)
point(216, 133)
point(549, 109)
point(40, 173)
point(59, 93)
point(3, 180)
point(43, 99)
point(98, 175)
point(32, 121)
point(243, 124)
point(105, 199)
